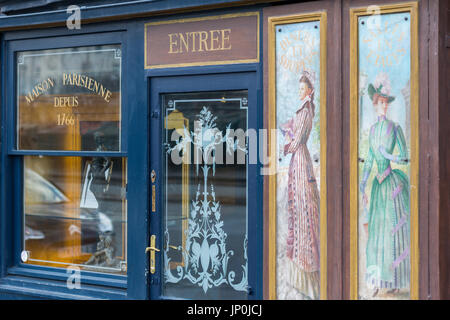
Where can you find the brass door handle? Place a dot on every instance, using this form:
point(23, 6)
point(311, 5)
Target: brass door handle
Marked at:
point(152, 250)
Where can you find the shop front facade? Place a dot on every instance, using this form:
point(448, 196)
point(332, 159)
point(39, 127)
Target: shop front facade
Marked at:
point(217, 150)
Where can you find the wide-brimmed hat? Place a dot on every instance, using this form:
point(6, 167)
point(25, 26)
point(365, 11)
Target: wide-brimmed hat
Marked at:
point(382, 87)
point(371, 90)
point(310, 75)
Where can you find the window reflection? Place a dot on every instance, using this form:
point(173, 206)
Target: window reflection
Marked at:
point(75, 212)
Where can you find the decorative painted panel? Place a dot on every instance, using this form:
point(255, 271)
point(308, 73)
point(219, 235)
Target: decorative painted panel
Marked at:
point(298, 113)
point(385, 132)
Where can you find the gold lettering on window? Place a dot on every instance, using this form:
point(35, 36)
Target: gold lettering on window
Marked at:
point(66, 117)
point(39, 89)
point(78, 80)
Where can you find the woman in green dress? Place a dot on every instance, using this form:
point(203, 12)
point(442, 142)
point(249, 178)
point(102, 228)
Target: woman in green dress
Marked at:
point(387, 222)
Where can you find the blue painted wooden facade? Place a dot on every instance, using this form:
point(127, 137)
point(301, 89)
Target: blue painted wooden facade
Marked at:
point(35, 25)
point(41, 24)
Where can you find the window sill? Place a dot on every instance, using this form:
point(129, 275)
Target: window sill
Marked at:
point(87, 277)
point(50, 289)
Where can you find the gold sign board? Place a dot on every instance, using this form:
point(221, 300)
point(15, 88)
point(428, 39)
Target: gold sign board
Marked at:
point(225, 39)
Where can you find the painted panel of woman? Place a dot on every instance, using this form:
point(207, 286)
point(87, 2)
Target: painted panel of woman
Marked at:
point(303, 198)
point(387, 221)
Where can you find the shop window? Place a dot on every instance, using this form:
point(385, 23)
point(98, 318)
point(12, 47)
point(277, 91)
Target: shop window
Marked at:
point(205, 219)
point(69, 132)
point(68, 98)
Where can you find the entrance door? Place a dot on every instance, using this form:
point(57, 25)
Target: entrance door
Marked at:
point(205, 227)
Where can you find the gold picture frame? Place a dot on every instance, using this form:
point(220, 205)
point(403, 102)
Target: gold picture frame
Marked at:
point(355, 13)
point(273, 22)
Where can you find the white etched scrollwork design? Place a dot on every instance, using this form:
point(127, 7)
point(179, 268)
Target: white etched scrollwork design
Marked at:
point(205, 254)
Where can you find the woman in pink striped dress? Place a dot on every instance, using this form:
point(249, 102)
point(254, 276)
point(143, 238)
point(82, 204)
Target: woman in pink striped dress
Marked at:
point(303, 241)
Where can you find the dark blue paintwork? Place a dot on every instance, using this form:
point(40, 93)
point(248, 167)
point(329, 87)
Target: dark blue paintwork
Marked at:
point(108, 10)
point(141, 146)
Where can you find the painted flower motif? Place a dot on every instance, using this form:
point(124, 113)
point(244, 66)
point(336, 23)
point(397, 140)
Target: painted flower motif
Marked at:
point(363, 79)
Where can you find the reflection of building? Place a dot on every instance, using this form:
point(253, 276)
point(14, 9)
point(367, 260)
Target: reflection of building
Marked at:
point(199, 53)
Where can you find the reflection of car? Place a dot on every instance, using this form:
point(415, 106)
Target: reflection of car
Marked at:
point(51, 218)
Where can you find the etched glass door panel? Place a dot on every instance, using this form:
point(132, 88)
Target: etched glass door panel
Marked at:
point(205, 195)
